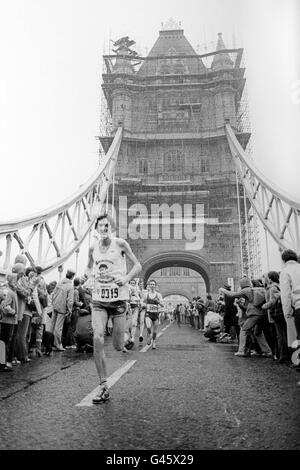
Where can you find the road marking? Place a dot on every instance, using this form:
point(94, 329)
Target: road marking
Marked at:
point(148, 346)
point(88, 400)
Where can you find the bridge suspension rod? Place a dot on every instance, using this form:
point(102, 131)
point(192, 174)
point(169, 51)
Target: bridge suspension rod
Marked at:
point(278, 211)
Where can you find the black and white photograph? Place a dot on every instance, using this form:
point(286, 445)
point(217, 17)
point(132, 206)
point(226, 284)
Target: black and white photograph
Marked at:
point(150, 228)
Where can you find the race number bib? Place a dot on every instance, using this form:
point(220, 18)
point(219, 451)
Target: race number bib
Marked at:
point(152, 308)
point(108, 292)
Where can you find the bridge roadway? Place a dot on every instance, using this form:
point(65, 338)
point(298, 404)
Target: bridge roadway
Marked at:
point(188, 394)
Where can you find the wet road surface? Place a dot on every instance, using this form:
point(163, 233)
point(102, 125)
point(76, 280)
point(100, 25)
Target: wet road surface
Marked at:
point(188, 394)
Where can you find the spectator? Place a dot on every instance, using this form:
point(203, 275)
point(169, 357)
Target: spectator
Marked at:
point(69, 327)
point(24, 285)
point(48, 310)
point(274, 307)
point(84, 295)
point(62, 302)
point(182, 313)
point(289, 281)
point(177, 314)
point(84, 331)
point(255, 316)
point(210, 304)
point(22, 294)
point(213, 323)
point(40, 296)
point(9, 319)
point(201, 309)
point(231, 325)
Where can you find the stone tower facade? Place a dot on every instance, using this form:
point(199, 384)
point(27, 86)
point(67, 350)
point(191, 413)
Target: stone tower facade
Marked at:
point(175, 183)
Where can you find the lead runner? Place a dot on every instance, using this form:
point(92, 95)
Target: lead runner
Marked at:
point(110, 293)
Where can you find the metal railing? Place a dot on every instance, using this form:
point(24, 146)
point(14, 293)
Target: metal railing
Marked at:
point(50, 237)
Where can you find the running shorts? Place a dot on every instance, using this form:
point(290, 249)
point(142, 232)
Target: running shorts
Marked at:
point(113, 308)
point(152, 315)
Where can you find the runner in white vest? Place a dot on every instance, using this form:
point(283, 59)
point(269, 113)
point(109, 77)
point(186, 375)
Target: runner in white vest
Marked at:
point(108, 280)
point(152, 301)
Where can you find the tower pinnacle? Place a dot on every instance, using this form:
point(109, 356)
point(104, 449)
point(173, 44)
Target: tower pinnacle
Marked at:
point(221, 61)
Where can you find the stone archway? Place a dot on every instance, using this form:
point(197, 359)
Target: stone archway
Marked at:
point(177, 258)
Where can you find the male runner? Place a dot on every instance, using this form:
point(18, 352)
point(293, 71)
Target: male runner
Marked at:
point(152, 300)
point(134, 301)
point(142, 311)
point(110, 292)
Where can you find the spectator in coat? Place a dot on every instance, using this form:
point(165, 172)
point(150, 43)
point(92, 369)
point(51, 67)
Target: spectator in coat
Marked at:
point(274, 306)
point(9, 319)
point(289, 281)
point(255, 317)
point(84, 331)
point(62, 303)
point(231, 325)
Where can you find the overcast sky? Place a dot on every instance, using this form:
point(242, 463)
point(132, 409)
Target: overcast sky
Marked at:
point(50, 80)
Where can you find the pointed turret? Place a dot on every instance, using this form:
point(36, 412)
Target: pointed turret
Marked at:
point(171, 41)
point(221, 61)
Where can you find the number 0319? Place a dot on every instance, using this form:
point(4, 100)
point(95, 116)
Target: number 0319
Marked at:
point(109, 293)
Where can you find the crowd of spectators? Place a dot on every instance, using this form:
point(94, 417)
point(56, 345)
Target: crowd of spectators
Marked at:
point(36, 317)
point(262, 318)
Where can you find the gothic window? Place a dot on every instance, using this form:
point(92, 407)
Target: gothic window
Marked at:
point(204, 165)
point(178, 66)
point(175, 271)
point(143, 166)
point(164, 272)
point(164, 68)
point(173, 161)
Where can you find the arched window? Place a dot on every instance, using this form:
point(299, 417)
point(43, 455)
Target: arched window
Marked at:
point(143, 166)
point(204, 165)
point(173, 161)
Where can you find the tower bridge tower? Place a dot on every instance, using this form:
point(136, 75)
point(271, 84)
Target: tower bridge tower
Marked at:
point(173, 105)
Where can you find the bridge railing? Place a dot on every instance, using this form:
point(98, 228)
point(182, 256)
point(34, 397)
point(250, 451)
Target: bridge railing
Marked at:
point(278, 211)
point(50, 237)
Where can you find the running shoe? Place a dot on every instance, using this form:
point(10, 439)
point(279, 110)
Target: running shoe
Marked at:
point(254, 353)
point(149, 340)
point(153, 345)
point(267, 354)
point(129, 345)
point(5, 369)
point(241, 354)
point(102, 396)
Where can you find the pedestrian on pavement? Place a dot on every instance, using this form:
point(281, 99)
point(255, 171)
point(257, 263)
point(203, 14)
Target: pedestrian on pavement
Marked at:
point(62, 303)
point(110, 292)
